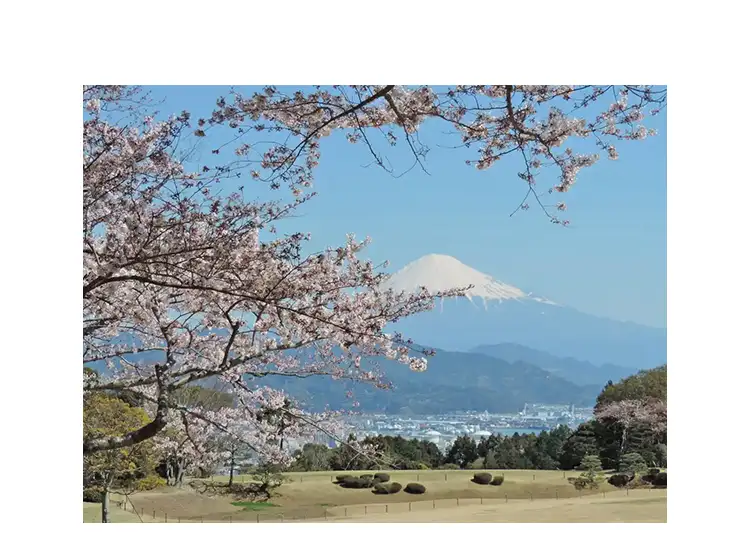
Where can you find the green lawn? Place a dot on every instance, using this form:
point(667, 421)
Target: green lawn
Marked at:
point(254, 506)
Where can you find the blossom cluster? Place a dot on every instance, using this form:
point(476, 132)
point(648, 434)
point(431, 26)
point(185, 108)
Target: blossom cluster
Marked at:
point(497, 120)
point(174, 270)
point(636, 411)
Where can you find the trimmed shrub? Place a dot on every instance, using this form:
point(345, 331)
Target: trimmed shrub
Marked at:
point(619, 480)
point(660, 480)
point(638, 482)
point(482, 478)
point(382, 477)
point(580, 483)
point(366, 476)
point(498, 480)
point(382, 488)
point(92, 495)
point(415, 488)
point(358, 482)
point(649, 478)
point(394, 488)
point(340, 477)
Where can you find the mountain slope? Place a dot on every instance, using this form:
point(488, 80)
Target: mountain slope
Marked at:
point(453, 381)
point(493, 312)
point(575, 371)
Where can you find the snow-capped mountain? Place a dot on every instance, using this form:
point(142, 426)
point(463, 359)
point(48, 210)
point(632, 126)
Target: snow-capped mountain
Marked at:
point(441, 272)
point(494, 312)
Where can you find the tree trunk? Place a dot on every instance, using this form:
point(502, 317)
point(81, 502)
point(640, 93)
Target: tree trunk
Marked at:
point(170, 473)
point(180, 472)
point(105, 505)
point(231, 468)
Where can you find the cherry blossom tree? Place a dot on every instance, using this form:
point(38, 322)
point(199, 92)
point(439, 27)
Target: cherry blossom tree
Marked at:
point(630, 412)
point(182, 262)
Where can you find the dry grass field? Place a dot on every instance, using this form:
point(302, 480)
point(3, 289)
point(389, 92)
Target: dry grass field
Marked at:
point(640, 506)
point(525, 496)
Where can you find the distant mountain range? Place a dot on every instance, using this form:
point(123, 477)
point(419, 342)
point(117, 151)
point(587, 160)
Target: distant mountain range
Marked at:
point(453, 381)
point(479, 380)
point(494, 312)
point(501, 349)
point(576, 371)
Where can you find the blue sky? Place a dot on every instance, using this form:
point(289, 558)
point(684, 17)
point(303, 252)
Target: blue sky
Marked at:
point(611, 260)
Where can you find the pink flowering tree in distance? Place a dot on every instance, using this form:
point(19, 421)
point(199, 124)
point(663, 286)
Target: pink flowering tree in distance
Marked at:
point(182, 262)
point(632, 412)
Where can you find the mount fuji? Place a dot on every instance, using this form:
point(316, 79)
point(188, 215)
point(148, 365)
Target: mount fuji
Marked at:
point(493, 312)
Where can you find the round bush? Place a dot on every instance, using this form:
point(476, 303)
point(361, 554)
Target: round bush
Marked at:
point(415, 488)
point(341, 477)
point(619, 480)
point(366, 476)
point(660, 480)
point(358, 482)
point(92, 495)
point(498, 480)
point(482, 478)
point(382, 477)
point(383, 488)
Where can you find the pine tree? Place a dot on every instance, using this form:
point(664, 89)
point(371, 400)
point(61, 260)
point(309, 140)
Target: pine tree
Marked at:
point(582, 442)
point(632, 464)
point(592, 471)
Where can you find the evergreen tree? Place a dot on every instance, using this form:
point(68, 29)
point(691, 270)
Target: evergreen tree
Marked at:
point(463, 452)
point(632, 464)
point(660, 453)
point(592, 475)
point(582, 442)
point(490, 462)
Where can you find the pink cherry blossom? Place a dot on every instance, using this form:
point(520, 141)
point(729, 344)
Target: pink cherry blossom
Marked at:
point(178, 262)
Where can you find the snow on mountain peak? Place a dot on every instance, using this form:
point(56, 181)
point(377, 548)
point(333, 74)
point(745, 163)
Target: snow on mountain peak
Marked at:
point(443, 272)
